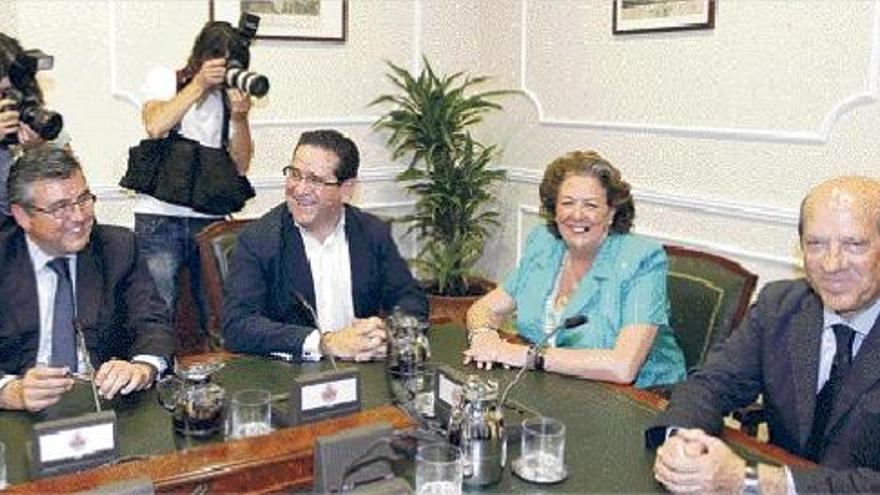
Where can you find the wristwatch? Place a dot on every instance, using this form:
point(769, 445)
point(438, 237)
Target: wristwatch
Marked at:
point(751, 483)
point(539, 358)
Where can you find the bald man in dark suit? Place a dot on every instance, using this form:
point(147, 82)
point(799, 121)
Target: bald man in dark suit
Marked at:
point(811, 348)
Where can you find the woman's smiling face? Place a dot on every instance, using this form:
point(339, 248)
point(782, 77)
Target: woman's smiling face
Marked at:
point(583, 216)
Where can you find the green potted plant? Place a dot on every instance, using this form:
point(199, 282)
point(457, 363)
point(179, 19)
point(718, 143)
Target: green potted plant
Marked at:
point(449, 174)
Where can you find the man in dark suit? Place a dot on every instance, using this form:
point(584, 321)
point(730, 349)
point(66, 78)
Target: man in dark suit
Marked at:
point(811, 347)
point(311, 276)
point(73, 294)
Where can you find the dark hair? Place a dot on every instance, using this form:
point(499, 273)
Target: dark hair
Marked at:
point(217, 39)
point(343, 147)
point(591, 164)
point(10, 48)
point(45, 161)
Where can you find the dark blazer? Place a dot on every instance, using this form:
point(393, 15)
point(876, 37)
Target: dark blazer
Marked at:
point(270, 277)
point(120, 312)
point(776, 353)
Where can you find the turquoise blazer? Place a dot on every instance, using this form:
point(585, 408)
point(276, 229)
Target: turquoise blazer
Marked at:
point(626, 285)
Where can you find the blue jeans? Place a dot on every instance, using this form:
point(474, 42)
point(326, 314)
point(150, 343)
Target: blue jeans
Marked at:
point(168, 243)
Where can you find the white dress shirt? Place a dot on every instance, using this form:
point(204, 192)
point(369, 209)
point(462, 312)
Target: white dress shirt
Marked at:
point(330, 263)
point(861, 323)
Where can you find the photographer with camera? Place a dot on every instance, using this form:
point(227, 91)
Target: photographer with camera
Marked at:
point(23, 120)
point(200, 105)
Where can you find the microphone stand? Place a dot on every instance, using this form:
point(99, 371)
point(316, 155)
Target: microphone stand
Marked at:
point(314, 316)
point(571, 322)
point(88, 373)
point(289, 357)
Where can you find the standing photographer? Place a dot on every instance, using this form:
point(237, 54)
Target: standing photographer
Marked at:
point(10, 126)
point(195, 102)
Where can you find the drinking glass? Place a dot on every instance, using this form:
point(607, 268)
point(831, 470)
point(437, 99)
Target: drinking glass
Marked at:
point(439, 470)
point(543, 450)
point(3, 483)
point(251, 413)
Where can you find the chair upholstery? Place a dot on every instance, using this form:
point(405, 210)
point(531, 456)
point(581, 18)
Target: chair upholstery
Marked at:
point(216, 242)
point(708, 295)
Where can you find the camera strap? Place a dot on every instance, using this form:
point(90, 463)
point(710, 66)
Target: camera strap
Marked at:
point(227, 114)
point(183, 78)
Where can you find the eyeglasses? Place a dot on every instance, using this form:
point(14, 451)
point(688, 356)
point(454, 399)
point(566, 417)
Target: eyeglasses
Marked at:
point(294, 174)
point(64, 209)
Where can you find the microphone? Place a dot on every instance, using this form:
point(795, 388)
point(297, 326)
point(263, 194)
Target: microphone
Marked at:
point(568, 323)
point(314, 316)
point(289, 357)
point(89, 372)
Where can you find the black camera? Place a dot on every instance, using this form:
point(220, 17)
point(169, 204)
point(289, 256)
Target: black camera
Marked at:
point(27, 99)
point(237, 75)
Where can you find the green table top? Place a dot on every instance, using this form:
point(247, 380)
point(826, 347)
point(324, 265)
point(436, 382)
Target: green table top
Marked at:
point(605, 429)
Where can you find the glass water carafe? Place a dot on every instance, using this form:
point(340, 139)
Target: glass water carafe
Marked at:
point(409, 372)
point(195, 402)
point(476, 425)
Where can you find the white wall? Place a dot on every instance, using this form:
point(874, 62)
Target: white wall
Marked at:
point(721, 132)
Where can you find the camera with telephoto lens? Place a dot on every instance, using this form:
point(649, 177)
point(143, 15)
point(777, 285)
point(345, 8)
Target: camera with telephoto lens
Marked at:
point(26, 98)
point(237, 75)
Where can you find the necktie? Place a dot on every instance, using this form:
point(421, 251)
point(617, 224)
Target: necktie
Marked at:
point(63, 336)
point(825, 400)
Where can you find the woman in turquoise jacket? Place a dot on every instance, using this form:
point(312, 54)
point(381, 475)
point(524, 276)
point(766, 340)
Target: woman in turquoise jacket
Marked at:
point(584, 262)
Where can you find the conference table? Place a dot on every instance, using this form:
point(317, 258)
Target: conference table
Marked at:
point(604, 440)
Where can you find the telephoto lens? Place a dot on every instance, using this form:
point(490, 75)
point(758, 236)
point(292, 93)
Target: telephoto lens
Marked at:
point(45, 122)
point(252, 83)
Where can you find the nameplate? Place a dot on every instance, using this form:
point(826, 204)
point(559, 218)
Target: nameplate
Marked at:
point(73, 444)
point(447, 393)
point(317, 396)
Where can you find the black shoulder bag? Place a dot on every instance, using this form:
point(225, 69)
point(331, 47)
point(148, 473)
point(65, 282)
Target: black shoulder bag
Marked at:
point(182, 171)
point(218, 188)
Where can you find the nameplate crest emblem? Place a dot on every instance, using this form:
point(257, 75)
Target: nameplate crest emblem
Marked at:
point(317, 396)
point(73, 444)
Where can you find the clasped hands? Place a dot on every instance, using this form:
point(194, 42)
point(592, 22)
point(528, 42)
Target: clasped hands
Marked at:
point(363, 340)
point(692, 461)
point(43, 386)
point(487, 347)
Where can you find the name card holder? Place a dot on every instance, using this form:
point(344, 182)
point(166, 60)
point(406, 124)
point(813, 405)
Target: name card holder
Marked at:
point(447, 393)
point(73, 444)
point(323, 395)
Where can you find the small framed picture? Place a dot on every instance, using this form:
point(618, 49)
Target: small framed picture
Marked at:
point(308, 20)
point(646, 16)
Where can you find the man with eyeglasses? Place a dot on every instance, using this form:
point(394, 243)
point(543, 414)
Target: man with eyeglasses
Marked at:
point(76, 300)
point(311, 276)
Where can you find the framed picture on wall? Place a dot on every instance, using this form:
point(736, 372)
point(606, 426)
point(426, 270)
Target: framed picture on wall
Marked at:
point(646, 16)
point(309, 20)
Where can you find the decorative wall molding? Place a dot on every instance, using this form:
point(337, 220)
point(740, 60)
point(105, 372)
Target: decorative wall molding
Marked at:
point(135, 101)
point(739, 211)
point(724, 249)
point(866, 96)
